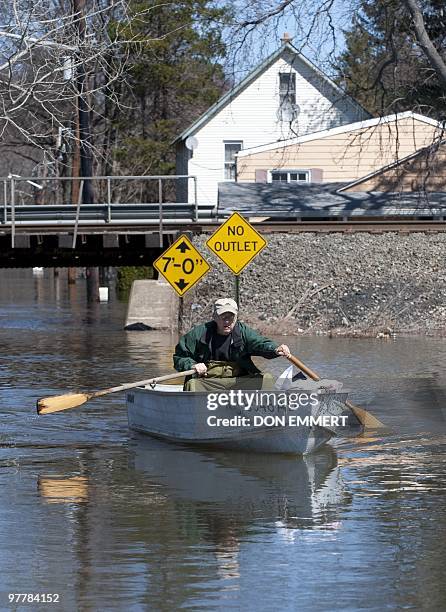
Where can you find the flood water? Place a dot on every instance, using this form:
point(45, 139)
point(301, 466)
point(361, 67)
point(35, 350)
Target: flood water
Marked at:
point(111, 520)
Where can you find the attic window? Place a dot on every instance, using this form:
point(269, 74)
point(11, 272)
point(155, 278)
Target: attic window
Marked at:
point(290, 176)
point(288, 108)
point(231, 148)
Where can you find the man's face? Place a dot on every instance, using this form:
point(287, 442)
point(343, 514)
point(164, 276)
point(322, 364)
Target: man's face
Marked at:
point(225, 323)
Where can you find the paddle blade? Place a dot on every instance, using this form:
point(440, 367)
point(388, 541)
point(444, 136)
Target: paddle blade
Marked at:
point(46, 405)
point(366, 418)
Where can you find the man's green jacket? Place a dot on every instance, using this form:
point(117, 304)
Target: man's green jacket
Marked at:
point(194, 347)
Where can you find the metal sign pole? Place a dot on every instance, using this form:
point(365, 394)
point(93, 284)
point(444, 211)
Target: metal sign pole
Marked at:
point(237, 289)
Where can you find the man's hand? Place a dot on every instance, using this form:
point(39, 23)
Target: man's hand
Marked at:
point(283, 350)
point(200, 369)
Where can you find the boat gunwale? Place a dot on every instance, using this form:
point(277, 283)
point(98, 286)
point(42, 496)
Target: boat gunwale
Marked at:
point(183, 393)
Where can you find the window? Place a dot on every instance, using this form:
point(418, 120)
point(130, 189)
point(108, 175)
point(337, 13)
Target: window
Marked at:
point(288, 109)
point(290, 176)
point(231, 148)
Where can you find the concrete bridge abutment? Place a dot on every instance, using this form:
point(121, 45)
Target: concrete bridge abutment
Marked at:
point(153, 304)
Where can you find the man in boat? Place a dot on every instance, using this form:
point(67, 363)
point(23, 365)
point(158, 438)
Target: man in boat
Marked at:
point(220, 352)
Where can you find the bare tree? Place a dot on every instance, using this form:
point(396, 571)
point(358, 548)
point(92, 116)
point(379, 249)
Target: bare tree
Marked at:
point(59, 61)
point(80, 88)
point(317, 26)
point(436, 60)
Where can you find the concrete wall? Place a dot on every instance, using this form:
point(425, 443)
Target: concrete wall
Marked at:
point(153, 304)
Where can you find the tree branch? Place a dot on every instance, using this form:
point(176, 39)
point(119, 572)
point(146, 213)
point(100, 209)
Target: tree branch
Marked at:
point(424, 40)
point(253, 22)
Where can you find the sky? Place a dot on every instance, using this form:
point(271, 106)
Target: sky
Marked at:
point(317, 34)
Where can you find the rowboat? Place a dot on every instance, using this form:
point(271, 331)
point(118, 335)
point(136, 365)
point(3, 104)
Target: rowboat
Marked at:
point(169, 413)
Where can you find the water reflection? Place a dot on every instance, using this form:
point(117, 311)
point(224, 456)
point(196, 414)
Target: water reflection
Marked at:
point(240, 488)
point(56, 490)
point(407, 463)
point(168, 526)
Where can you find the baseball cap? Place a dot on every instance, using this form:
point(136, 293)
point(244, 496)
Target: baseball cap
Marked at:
point(225, 305)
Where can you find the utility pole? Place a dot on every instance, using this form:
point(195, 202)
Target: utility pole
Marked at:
point(84, 140)
point(86, 166)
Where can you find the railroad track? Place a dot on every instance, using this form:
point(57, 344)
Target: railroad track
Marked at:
point(290, 227)
point(375, 227)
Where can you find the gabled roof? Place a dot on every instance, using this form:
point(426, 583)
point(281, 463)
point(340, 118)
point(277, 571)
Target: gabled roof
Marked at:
point(398, 162)
point(342, 129)
point(231, 94)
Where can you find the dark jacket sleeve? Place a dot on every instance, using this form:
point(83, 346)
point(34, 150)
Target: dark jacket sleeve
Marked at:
point(258, 345)
point(183, 358)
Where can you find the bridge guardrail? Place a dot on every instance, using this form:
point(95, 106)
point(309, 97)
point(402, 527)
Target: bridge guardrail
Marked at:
point(34, 200)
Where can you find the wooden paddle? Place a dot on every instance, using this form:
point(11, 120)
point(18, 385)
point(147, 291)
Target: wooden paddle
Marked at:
point(367, 419)
point(56, 403)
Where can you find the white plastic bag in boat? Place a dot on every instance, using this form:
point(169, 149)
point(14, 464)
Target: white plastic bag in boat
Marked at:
point(285, 380)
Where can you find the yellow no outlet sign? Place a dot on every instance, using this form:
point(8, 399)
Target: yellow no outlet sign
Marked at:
point(236, 243)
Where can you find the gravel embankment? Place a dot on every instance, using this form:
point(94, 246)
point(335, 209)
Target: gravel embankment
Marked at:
point(334, 283)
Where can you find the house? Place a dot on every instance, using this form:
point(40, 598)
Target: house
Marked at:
point(387, 167)
point(284, 96)
point(342, 154)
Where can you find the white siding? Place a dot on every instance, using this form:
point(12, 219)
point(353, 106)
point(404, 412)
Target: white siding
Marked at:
point(252, 117)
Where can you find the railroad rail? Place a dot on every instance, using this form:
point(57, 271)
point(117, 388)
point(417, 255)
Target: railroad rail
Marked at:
point(208, 226)
point(374, 226)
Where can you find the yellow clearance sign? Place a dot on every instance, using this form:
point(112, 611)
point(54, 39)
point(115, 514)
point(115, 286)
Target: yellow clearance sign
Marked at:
point(236, 243)
point(182, 265)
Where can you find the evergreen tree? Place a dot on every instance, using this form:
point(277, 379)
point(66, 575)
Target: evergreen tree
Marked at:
point(174, 74)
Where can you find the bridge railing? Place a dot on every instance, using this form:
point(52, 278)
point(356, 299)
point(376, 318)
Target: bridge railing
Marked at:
point(118, 199)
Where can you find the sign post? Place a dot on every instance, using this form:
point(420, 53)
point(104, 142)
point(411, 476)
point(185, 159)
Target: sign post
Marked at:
point(182, 265)
point(237, 289)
